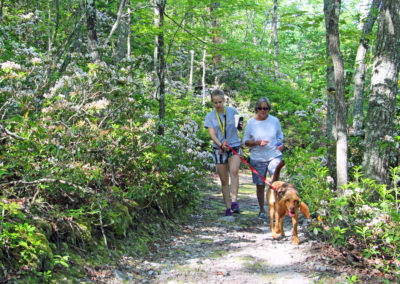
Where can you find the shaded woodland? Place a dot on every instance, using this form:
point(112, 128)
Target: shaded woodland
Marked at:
point(102, 105)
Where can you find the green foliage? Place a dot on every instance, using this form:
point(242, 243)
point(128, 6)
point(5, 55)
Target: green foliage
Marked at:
point(362, 215)
point(90, 141)
point(24, 245)
point(80, 159)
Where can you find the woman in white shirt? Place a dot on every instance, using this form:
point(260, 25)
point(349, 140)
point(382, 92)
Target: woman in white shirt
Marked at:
point(263, 134)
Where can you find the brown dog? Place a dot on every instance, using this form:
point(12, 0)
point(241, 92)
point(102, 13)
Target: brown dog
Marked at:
point(285, 200)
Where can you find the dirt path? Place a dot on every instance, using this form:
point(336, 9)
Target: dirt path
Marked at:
point(238, 249)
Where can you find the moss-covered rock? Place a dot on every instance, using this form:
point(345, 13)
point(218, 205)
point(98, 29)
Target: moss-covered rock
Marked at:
point(133, 207)
point(119, 219)
point(44, 226)
point(45, 254)
point(84, 229)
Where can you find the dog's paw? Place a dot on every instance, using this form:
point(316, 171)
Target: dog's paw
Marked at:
point(296, 241)
point(275, 235)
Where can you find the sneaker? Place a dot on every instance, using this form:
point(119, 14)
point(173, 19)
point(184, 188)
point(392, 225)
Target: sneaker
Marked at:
point(228, 212)
point(261, 215)
point(235, 207)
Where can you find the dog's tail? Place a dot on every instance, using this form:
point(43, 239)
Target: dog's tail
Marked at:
point(278, 171)
point(304, 210)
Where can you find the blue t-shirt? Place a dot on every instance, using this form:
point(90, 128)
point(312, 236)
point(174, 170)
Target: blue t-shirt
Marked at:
point(232, 137)
point(268, 129)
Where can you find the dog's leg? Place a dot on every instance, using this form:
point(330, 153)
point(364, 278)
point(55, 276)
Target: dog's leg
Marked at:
point(274, 230)
point(280, 225)
point(277, 218)
point(272, 200)
point(296, 240)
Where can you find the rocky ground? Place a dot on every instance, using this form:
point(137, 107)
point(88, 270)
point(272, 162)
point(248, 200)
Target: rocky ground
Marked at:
point(237, 249)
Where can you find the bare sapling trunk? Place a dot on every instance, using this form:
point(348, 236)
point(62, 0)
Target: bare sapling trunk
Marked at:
point(275, 32)
point(333, 11)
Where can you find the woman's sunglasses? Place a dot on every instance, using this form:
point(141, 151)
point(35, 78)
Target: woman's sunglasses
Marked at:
point(263, 108)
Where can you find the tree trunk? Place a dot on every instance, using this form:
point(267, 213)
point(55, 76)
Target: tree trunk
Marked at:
point(331, 108)
point(128, 40)
point(91, 28)
point(264, 29)
point(56, 20)
point(117, 21)
point(1, 9)
point(332, 8)
point(49, 44)
point(359, 73)
point(275, 32)
point(124, 30)
point(382, 101)
point(161, 64)
point(215, 39)
point(203, 77)
point(191, 69)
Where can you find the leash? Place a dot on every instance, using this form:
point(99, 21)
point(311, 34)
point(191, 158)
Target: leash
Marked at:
point(251, 168)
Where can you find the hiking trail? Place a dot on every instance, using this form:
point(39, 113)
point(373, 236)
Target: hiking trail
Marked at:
point(213, 248)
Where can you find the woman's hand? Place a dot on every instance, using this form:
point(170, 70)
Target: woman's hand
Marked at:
point(263, 143)
point(280, 147)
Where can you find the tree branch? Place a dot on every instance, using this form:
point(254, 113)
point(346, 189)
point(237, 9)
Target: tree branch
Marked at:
point(13, 135)
point(48, 180)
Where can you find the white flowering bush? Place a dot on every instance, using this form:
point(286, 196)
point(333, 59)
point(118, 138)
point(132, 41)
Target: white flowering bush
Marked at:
point(85, 149)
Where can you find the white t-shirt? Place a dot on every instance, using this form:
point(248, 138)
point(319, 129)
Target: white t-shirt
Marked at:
point(232, 137)
point(269, 130)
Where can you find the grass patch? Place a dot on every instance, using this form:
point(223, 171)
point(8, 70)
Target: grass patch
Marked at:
point(188, 269)
point(218, 253)
point(256, 266)
point(203, 241)
point(247, 189)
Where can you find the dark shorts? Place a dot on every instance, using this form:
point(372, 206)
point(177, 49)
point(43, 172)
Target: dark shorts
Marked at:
point(262, 167)
point(225, 155)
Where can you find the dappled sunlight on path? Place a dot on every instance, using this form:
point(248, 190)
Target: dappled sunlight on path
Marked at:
point(213, 248)
point(239, 249)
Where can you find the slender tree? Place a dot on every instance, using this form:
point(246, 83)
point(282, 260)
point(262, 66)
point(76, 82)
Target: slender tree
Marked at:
point(203, 76)
point(382, 101)
point(359, 73)
point(332, 12)
point(191, 69)
point(331, 107)
point(117, 21)
point(160, 68)
point(1, 8)
point(275, 32)
point(128, 40)
point(124, 31)
point(215, 24)
point(204, 66)
point(91, 28)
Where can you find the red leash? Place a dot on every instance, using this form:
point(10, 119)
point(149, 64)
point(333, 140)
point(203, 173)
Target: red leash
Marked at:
point(251, 168)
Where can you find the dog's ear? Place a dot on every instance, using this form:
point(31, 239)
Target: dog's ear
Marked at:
point(304, 210)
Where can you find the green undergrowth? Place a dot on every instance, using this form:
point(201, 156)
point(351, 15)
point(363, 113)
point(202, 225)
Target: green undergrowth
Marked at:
point(361, 217)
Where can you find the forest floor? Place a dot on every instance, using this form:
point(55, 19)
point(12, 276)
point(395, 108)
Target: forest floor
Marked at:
point(213, 248)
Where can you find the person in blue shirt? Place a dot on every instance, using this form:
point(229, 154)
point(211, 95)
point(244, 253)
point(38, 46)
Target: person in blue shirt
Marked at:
point(223, 130)
point(264, 136)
